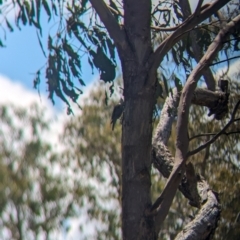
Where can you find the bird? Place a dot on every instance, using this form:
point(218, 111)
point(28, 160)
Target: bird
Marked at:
point(223, 85)
point(117, 112)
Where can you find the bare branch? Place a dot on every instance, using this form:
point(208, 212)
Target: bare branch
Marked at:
point(225, 60)
point(114, 30)
point(182, 140)
point(213, 134)
point(198, 8)
point(197, 52)
point(187, 25)
point(212, 140)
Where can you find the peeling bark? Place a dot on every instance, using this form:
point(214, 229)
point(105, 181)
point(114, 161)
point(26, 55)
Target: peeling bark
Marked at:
point(193, 186)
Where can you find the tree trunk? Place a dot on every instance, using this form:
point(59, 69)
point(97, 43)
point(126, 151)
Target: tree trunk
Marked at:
point(136, 159)
point(139, 92)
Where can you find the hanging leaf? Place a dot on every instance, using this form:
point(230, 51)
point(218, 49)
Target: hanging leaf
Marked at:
point(50, 46)
point(159, 90)
point(23, 16)
point(104, 64)
point(32, 13)
point(54, 8)
point(37, 80)
point(114, 6)
point(73, 68)
point(84, 2)
point(47, 9)
point(175, 56)
point(69, 92)
point(101, 37)
point(111, 49)
point(38, 5)
point(40, 43)
point(1, 43)
point(28, 10)
point(81, 82)
point(165, 85)
point(91, 64)
point(177, 12)
point(9, 25)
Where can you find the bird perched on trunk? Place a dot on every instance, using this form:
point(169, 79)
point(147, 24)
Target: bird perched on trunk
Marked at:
point(117, 112)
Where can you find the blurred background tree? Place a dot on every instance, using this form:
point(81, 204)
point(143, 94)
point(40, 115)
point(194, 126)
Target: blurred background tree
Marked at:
point(34, 195)
point(42, 187)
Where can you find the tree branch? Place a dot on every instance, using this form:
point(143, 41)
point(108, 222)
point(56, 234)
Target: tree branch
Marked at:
point(212, 140)
point(182, 140)
point(225, 60)
point(191, 184)
point(198, 8)
point(197, 52)
point(213, 134)
point(113, 28)
point(187, 25)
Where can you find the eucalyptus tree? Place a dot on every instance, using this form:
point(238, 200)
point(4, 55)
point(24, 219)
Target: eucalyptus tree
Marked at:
point(35, 198)
point(147, 36)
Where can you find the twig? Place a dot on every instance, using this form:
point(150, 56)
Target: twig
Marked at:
point(228, 59)
point(212, 134)
point(218, 134)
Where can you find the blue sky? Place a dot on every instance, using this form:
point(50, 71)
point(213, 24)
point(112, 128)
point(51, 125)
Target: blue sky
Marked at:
point(22, 56)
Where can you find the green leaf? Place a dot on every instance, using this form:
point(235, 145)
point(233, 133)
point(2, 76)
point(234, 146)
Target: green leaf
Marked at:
point(9, 25)
point(91, 64)
point(84, 2)
point(38, 5)
point(54, 8)
point(40, 43)
point(81, 82)
point(114, 6)
point(28, 10)
point(165, 84)
point(111, 49)
point(104, 64)
point(32, 14)
point(50, 46)
point(69, 92)
point(1, 43)
point(37, 80)
point(47, 9)
point(23, 16)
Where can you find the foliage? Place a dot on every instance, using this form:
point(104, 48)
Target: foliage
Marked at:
point(73, 40)
point(35, 197)
point(96, 152)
